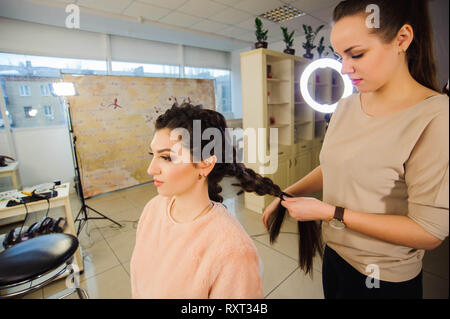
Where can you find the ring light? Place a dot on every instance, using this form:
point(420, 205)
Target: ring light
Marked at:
point(318, 64)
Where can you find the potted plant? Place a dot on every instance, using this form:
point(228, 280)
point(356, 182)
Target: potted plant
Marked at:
point(310, 36)
point(321, 47)
point(261, 35)
point(289, 40)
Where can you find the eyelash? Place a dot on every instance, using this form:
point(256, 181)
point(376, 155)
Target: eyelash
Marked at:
point(166, 158)
point(354, 57)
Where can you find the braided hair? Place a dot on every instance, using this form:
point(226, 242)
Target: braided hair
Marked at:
point(183, 116)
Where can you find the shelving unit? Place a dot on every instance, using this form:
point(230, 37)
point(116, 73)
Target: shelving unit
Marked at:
point(276, 102)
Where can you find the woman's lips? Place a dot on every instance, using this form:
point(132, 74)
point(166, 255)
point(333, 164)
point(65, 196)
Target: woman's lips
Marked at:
point(157, 183)
point(356, 81)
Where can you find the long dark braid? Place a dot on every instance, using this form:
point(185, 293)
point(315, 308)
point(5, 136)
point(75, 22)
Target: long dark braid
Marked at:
point(182, 117)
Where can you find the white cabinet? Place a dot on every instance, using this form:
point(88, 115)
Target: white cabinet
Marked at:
point(301, 166)
point(271, 99)
point(316, 148)
point(281, 177)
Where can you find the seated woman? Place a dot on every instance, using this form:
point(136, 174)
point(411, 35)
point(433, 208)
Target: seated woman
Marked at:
point(188, 245)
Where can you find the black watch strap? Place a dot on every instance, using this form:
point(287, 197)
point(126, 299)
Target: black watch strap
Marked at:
point(339, 213)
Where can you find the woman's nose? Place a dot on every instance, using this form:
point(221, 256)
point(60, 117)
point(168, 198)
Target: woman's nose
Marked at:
point(347, 67)
point(153, 168)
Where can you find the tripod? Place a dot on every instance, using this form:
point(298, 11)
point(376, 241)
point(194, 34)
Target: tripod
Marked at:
point(79, 187)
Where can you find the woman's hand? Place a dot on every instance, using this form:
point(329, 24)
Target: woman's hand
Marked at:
point(269, 210)
point(308, 208)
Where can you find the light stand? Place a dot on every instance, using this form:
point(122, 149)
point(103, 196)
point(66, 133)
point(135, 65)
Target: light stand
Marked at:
point(78, 185)
point(310, 69)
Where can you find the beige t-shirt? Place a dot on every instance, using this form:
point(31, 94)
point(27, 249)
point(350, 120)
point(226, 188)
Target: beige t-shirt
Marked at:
point(395, 164)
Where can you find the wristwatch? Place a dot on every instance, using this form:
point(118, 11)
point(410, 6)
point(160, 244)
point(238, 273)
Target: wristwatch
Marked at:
point(338, 219)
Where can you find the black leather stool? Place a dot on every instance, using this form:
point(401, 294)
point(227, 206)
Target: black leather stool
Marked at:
point(35, 258)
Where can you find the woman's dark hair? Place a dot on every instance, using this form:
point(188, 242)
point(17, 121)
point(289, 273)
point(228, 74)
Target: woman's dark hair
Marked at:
point(183, 116)
point(393, 15)
point(445, 89)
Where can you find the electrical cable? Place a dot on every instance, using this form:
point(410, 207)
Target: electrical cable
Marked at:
point(25, 219)
point(48, 207)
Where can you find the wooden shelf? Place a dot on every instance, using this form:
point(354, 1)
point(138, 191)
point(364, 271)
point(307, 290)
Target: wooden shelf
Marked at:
point(277, 103)
point(276, 80)
point(298, 122)
point(278, 125)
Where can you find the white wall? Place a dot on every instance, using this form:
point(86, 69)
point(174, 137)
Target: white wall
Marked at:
point(4, 148)
point(236, 82)
point(44, 154)
point(298, 46)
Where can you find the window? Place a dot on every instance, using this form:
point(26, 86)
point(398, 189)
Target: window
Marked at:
point(45, 89)
point(2, 122)
point(5, 99)
point(143, 69)
point(48, 111)
point(32, 65)
point(22, 75)
point(29, 112)
point(222, 84)
point(24, 90)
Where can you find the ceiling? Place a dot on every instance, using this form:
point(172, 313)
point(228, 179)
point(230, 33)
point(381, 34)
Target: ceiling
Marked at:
point(223, 24)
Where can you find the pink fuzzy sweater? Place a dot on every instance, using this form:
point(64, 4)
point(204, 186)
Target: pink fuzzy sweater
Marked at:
point(211, 257)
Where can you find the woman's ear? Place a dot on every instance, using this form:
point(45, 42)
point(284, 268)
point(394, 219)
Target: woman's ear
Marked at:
point(404, 37)
point(207, 165)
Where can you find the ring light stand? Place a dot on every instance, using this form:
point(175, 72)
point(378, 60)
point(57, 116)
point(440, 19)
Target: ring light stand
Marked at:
point(310, 69)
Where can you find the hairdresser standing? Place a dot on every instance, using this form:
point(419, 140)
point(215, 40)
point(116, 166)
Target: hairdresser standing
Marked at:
point(384, 161)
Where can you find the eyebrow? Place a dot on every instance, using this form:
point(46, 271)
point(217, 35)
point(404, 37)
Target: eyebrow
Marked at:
point(164, 150)
point(355, 46)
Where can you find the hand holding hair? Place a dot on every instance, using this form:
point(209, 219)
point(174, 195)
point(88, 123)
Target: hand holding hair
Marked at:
point(310, 240)
point(308, 208)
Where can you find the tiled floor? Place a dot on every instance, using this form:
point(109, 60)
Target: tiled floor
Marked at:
point(107, 250)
